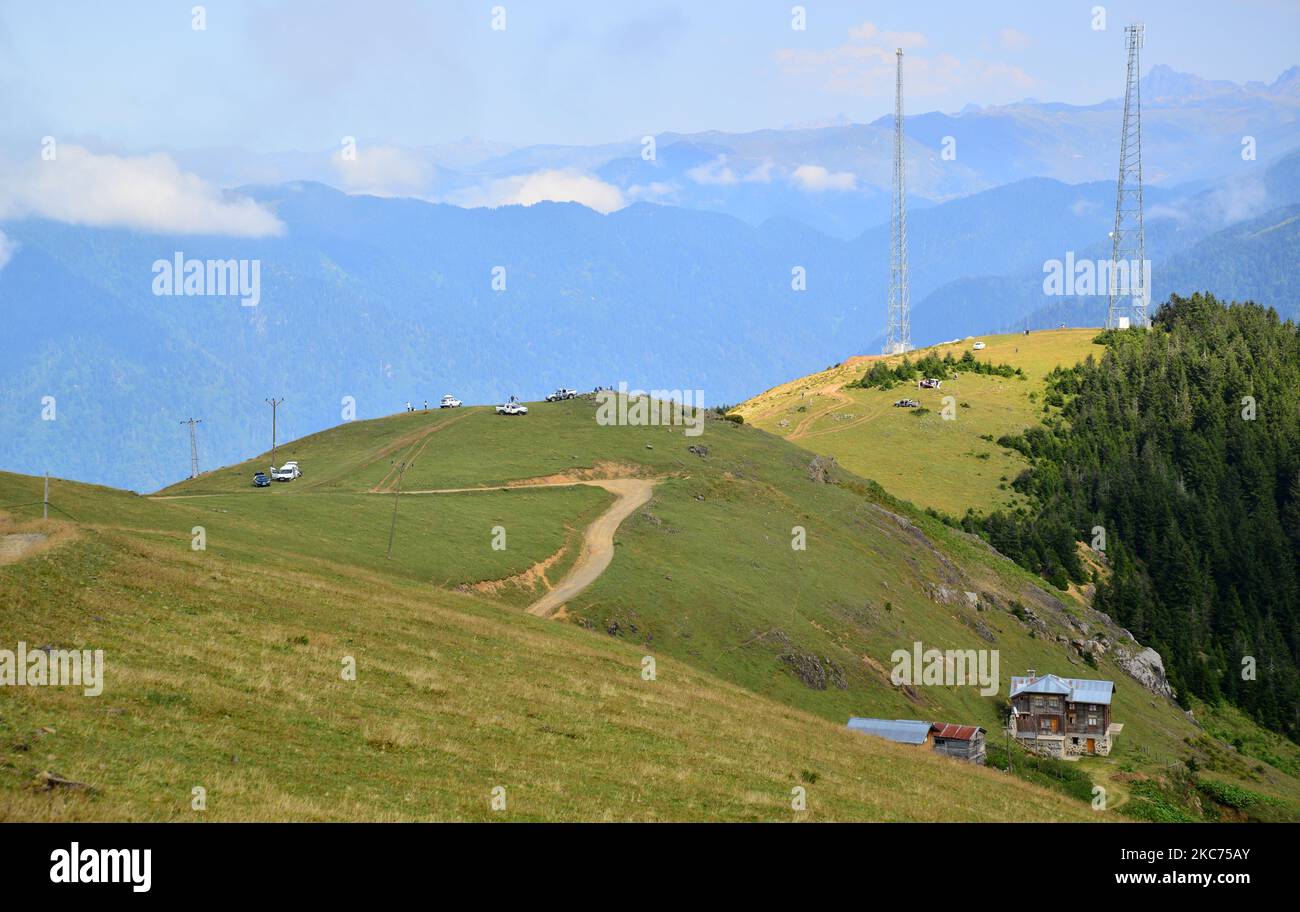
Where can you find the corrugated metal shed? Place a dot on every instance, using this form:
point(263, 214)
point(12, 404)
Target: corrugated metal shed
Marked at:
point(956, 732)
point(904, 731)
point(1076, 690)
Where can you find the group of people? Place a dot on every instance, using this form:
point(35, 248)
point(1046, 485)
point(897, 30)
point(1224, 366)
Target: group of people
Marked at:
point(411, 408)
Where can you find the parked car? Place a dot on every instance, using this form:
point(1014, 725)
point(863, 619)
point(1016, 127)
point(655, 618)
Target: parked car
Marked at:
point(931, 383)
point(450, 401)
point(287, 472)
point(513, 407)
point(978, 346)
point(907, 403)
point(260, 480)
point(561, 393)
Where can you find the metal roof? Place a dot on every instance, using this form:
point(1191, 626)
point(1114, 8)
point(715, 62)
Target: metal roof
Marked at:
point(955, 732)
point(1076, 690)
point(904, 731)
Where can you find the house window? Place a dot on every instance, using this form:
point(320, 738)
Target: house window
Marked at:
point(1092, 720)
point(1074, 741)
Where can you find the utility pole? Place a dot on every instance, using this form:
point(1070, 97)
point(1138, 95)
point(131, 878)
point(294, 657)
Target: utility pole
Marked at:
point(898, 330)
point(1128, 240)
point(194, 446)
point(274, 404)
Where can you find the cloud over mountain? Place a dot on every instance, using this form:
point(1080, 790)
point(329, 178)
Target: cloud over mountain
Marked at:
point(551, 185)
point(147, 193)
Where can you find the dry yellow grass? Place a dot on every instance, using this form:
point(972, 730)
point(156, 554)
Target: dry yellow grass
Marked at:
point(226, 676)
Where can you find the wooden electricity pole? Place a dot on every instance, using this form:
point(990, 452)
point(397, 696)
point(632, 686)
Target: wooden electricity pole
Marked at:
point(274, 404)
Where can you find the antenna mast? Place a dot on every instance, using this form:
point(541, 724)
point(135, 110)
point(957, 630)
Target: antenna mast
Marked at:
point(898, 333)
point(1128, 240)
point(194, 446)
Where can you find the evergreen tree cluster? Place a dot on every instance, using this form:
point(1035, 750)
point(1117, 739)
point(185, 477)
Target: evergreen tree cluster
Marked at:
point(882, 376)
point(1183, 444)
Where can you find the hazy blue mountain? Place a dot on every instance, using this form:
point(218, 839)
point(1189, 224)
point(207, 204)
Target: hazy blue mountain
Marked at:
point(390, 300)
point(1192, 132)
point(1217, 240)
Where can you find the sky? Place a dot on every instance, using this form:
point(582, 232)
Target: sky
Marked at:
point(267, 76)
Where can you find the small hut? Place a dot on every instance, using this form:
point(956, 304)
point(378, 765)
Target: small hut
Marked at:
point(965, 742)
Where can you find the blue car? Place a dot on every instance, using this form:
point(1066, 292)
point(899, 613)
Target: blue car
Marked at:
point(260, 480)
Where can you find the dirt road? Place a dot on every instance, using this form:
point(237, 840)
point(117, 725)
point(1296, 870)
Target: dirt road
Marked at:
point(597, 541)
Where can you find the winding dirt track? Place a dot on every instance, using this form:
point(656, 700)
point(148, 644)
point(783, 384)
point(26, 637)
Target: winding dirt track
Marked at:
point(597, 541)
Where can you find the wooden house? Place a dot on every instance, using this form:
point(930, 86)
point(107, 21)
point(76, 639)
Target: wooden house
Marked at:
point(1062, 717)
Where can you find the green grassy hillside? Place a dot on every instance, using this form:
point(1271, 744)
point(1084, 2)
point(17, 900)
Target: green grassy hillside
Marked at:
point(763, 650)
point(921, 458)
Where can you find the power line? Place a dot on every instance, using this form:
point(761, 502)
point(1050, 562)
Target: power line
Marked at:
point(898, 331)
point(194, 446)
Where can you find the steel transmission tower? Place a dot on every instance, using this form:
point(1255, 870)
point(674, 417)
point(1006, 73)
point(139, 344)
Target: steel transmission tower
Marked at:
point(194, 446)
point(898, 332)
point(1127, 291)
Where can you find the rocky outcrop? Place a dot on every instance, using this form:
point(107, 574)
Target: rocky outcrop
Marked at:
point(822, 470)
point(1147, 668)
point(815, 672)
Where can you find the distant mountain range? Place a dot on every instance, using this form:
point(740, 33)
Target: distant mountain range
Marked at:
point(391, 299)
point(836, 178)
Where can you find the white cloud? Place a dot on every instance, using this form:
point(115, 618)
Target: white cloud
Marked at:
point(146, 193)
point(652, 190)
point(762, 174)
point(1012, 40)
point(566, 186)
point(865, 65)
point(867, 32)
point(382, 171)
point(815, 178)
point(712, 173)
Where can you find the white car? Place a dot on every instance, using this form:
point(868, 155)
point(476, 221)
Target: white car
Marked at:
point(450, 401)
point(561, 394)
point(287, 472)
point(513, 407)
point(978, 346)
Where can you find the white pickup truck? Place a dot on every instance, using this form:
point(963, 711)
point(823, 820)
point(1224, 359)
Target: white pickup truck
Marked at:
point(513, 407)
point(287, 472)
point(561, 393)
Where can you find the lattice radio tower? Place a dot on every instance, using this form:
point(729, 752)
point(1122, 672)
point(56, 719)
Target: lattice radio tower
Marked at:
point(1127, 291)
point(194, 446)
point(898, 332)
